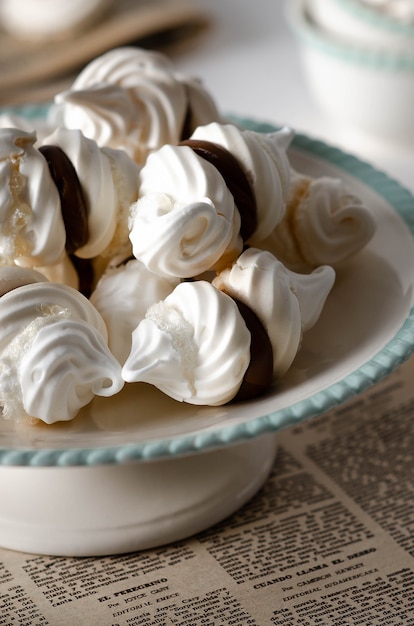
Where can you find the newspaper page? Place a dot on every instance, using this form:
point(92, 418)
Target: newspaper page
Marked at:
point(328, 540)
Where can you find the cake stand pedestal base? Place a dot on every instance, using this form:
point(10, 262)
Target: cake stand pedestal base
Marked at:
point(113, 509)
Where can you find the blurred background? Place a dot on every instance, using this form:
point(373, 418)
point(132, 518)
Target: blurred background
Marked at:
point(297, 62)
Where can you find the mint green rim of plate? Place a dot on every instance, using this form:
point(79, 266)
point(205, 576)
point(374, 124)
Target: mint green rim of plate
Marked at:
point(396, 352)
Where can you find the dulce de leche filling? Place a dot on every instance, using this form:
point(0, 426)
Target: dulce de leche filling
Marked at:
point(72, 202)
point(234, 178)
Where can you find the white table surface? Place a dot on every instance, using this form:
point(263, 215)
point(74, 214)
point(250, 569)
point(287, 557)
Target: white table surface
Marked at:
point(249, 61)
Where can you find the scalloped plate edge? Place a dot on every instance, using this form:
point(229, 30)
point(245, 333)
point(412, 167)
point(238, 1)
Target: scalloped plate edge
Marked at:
point(389, 358)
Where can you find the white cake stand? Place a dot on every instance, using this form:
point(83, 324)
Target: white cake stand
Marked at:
point(140, 470)
point(107, 509)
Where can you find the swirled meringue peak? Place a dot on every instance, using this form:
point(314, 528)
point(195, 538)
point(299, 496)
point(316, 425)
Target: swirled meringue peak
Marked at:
point(20, 306)
point(122, 296)
point(325, 224)
point(265, 163)
point(103, 112)
point(286, 303)
point(109, 182)
point(66, 365)
point(32, 231)
point(133, 99)
point(194, 346)
point(54, 355)
point(185, 221)
point(125, 66)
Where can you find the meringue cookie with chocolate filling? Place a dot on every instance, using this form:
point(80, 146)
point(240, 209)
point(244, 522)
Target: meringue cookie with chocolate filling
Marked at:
point(122, 296)
point(54, 356)
point(325, 224)
point(133, 99)
point(199, 201)
point(185, 221)
point(265, 164)
point(288, 304)
point(32, 230)
point(108, 180)
point(194, 346)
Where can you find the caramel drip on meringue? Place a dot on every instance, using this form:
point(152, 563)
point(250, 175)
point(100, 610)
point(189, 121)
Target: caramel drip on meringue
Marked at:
point(235, 179)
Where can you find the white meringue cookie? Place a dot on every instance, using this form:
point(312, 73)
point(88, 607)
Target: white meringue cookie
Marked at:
point(185, 221)
point(148, 78)
point(122, 296)
point(125, 66)
point(125, 180)
point(66, 365)
point(132, 98)
point(286, 303)
point(21, 305)
point(54, 355)
point(325, 224)
point(194, 346)
point(95, 177)
point(265, 163)
point(32, 231)
point(109, 181)
point(276, 145)
point(103, 112)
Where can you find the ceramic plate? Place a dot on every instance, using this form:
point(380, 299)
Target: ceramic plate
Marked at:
point(365, 331)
